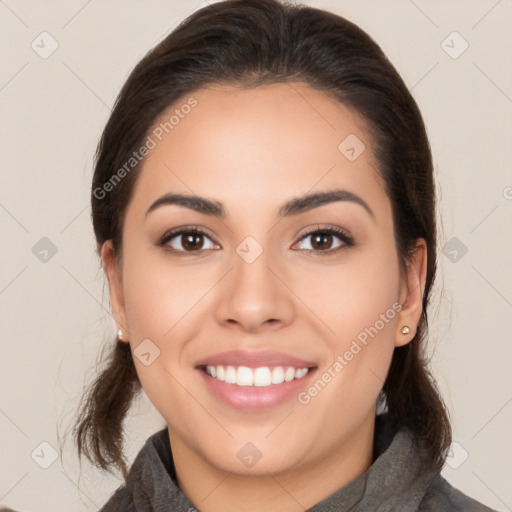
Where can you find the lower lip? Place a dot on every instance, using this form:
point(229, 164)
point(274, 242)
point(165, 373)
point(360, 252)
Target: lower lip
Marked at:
point(255, 398)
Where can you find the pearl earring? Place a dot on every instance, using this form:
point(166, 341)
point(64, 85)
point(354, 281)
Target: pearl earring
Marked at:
point(119, 334)
point(406, 329)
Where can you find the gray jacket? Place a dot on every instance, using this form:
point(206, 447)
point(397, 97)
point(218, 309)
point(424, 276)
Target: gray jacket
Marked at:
point(396, 481)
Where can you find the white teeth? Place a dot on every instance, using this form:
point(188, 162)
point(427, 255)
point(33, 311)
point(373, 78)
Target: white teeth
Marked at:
point(230, 375)
point(289, 374)
point(278, 375)
point(262, 377)
point(258, 377)
point(244, 376)
point(300, 373)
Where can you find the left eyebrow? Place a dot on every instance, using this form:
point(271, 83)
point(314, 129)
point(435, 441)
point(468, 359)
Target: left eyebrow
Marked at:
point(293, 207)
point(308, 202)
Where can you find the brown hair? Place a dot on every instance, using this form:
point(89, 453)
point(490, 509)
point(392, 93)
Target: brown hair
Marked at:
point(250, 43)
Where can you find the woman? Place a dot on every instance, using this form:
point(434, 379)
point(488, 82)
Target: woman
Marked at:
point(264, 207)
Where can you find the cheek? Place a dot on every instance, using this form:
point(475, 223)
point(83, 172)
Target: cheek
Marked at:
point(159, 295)
point(351, 297)
point(161, 300)
point(358, 304)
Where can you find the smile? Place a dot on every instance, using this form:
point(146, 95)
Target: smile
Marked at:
point(260, 377)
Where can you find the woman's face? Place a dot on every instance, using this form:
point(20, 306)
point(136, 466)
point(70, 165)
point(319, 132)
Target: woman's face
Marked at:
point(267, 285)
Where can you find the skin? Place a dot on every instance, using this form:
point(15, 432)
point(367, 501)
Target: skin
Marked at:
point(253, 150)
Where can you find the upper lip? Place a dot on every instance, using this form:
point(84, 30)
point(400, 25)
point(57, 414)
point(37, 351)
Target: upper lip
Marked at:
point(253, 359)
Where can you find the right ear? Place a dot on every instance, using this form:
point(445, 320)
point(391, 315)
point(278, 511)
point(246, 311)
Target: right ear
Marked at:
point(115, 284)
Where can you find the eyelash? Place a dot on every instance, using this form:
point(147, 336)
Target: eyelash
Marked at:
point(347, 240)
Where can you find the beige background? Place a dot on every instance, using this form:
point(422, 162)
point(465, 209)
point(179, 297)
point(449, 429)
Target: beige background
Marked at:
point(54, 313)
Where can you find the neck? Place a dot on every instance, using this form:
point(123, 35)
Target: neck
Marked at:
point(211, 489)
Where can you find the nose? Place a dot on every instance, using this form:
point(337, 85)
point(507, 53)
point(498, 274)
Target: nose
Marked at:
point(254, 295)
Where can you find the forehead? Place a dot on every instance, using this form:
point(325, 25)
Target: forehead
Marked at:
point(259, 146)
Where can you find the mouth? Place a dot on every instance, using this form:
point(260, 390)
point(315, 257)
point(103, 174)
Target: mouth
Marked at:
point(254, 381)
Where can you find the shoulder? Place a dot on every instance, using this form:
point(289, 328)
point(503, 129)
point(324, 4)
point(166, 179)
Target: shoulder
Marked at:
point(442, 496)
point(121, 499)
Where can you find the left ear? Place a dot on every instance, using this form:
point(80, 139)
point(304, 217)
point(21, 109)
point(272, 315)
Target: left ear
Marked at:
point(411, 293)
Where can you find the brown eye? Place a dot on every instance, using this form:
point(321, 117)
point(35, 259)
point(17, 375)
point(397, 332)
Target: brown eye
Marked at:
point(192, 241)
point(322, 240)
point(187, 240)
